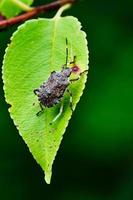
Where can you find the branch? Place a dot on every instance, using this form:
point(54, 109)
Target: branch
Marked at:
point(2, 18)
point(34, 12)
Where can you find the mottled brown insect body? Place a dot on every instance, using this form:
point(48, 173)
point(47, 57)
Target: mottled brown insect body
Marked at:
point(51, 91)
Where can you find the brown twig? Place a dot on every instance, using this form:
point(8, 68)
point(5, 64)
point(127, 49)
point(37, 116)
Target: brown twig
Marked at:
point(2, 18)
point(35, 11)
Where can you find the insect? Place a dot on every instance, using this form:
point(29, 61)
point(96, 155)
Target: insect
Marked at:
point(52, 91)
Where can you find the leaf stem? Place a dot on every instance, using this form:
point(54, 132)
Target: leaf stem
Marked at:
point(60, 11)
point(22, 5)
point(34, 12)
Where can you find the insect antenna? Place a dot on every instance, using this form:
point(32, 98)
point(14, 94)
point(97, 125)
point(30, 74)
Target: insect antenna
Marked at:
point(66, 52)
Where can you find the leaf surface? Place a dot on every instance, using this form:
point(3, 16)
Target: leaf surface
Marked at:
point(9, 9)
point(37, 48)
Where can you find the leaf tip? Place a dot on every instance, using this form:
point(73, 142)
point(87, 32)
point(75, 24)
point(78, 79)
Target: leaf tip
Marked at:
point(48, 177)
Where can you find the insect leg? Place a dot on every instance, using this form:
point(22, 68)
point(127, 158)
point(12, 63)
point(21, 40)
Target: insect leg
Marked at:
point(85, 71)
point(71, 99)
point(38, 114)
point(58, 115)
point(76, 79)
point(74, 60)
point(35, 91)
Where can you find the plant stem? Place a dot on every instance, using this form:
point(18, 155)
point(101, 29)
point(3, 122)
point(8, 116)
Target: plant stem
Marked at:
point(60, 11)
point(2, 18)
point(22, 5)
point(35, 11)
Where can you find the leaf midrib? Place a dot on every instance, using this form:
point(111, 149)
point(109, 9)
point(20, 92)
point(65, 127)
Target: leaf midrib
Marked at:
point(51, 66)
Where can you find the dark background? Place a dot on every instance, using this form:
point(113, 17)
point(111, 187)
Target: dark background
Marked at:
point(94, 161)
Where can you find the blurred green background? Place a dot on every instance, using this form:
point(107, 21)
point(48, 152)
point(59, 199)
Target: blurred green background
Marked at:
point(94, 161)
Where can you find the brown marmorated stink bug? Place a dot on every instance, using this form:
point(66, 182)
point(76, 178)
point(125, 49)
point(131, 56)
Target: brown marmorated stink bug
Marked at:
point(52, 91)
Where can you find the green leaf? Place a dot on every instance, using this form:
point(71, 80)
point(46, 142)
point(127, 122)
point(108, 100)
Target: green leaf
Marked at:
point(37, 48)
point(11, 8)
